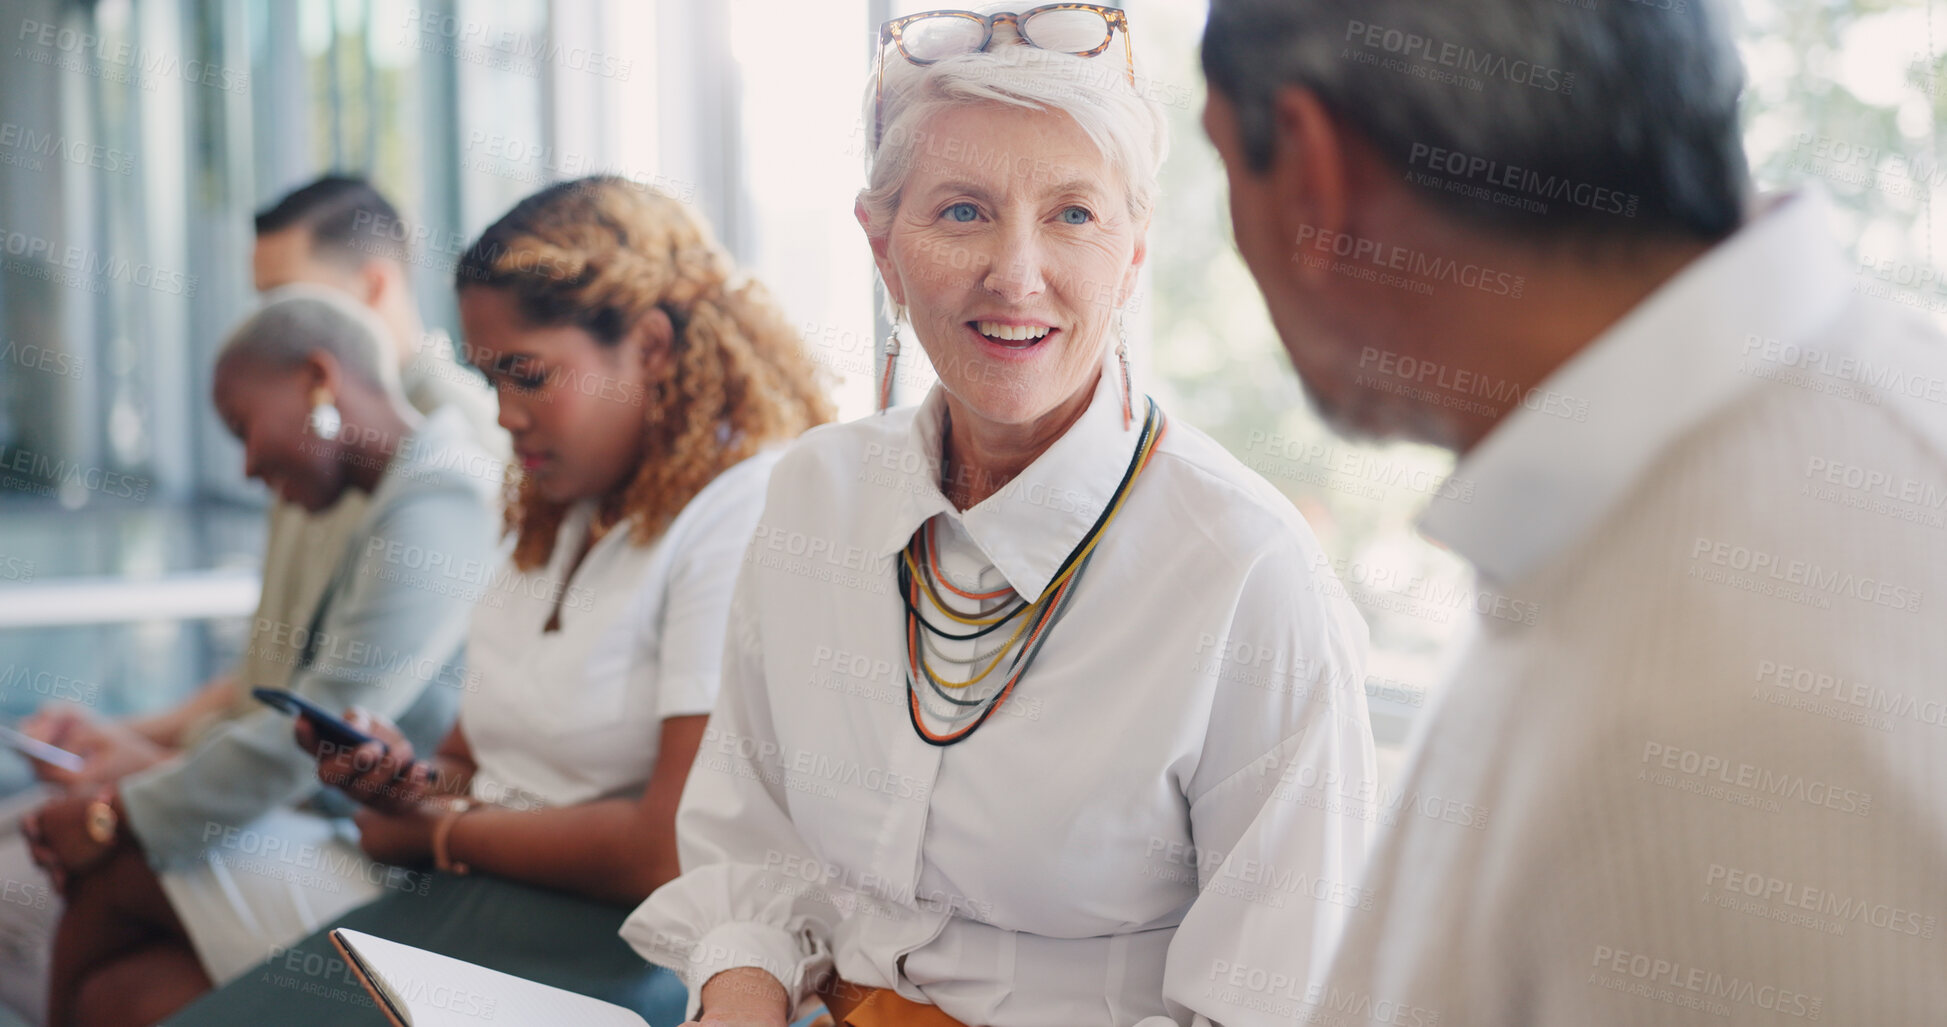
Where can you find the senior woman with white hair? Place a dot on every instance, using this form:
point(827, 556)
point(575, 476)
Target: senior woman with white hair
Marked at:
point(1015, 678)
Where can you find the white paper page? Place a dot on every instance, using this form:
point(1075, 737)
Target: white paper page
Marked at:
point(440, 991)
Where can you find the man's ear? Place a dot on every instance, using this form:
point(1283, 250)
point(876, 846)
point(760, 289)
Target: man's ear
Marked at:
point(880, 239)
point(374, 282)
point(1308, 171)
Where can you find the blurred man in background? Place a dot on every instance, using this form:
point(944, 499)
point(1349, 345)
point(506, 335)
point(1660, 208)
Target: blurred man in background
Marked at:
point(341, 233)
point(1687, 770)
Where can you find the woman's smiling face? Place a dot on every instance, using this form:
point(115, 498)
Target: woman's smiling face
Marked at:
point(1011, 250)
point(268, 410)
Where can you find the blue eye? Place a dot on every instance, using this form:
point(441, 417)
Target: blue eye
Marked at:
point(1076, 216)
point(962, 212)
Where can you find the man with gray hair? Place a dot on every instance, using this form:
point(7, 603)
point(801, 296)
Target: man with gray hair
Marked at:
point(1687, 768)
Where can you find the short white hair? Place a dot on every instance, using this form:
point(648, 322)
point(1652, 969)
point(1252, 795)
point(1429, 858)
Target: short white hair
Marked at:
point(297, 320)
point(1127, 127)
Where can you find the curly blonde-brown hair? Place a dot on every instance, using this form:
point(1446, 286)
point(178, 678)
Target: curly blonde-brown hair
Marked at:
point(600, 253)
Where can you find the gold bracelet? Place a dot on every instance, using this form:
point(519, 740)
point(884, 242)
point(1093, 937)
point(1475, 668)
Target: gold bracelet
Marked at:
point(442, 831)
point(103, 823)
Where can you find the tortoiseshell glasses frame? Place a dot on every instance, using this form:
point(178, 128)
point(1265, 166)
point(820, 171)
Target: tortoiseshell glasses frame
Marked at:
point(894, 32)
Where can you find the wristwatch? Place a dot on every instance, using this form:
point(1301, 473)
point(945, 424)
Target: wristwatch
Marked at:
point(102, 821)
point(443, 830)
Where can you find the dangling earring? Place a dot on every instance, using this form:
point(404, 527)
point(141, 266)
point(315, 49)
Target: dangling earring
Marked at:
point(324, 421)
point(892, 362)
point(1122, 357)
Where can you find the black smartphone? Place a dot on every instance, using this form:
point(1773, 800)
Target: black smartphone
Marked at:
point(326, 725)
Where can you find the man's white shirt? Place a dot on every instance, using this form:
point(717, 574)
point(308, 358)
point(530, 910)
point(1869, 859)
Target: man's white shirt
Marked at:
point(1711, 771)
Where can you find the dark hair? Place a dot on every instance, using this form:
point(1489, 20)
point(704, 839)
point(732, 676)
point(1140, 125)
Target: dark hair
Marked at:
point(346, 217)
point(1546, 103)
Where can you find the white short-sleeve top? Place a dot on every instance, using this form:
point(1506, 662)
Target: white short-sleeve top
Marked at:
point(565, 716)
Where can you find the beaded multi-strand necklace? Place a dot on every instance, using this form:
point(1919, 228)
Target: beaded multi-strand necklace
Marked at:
point(920, 578)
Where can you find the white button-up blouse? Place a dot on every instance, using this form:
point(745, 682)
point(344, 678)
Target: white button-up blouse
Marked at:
point(562, 717)
point(1091, 855)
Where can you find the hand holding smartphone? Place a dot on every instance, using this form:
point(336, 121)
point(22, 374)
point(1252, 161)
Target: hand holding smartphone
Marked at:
point(325, 726)
point(390, 780)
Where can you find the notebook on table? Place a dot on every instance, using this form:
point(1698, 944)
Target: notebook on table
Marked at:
point(417, 988)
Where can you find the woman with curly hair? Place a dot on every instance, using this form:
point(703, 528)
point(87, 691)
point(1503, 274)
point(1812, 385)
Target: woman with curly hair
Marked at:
point(645, 387)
